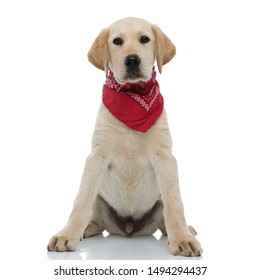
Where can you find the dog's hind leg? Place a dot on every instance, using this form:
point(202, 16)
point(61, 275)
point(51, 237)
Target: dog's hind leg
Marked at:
point(162, 228)
point(152, 221)
point(96, 225)
point(94, 228)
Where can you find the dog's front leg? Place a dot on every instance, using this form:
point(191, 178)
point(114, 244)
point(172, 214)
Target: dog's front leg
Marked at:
point(69, 237)
point(180, 239)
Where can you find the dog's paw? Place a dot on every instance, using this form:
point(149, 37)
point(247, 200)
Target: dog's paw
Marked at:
point(62, 242)
point(187, 246)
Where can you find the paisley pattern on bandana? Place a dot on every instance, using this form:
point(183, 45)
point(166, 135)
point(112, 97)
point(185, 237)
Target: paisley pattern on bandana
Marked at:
point(137, 105)
point(144, 93)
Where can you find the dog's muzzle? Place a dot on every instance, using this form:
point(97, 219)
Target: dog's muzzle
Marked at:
point(132, 63)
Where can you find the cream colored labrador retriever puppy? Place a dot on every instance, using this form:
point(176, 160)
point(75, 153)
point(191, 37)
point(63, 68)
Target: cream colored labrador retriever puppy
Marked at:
point(130, 182)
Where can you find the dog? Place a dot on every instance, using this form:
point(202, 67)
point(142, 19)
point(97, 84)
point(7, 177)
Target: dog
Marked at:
point(130, 183)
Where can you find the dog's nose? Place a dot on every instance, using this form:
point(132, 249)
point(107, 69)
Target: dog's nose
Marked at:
point(132, 61)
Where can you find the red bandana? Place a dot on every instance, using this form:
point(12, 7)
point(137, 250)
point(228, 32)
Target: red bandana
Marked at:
point(136, 105)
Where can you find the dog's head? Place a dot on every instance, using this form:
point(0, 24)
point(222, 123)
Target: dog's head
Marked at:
point(129, 48)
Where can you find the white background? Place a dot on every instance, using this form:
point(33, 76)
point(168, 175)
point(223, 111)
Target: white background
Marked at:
point(49, 96)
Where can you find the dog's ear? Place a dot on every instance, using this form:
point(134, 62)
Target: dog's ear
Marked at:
point(164, 48)
point(98, 54)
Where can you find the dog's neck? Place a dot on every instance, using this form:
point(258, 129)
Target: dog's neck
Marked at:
point(136, 105)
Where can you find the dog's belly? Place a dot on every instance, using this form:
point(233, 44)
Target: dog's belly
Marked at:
point(130, 185)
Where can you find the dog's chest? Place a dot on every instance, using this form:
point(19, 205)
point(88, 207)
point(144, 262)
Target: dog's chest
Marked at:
point(130, 185)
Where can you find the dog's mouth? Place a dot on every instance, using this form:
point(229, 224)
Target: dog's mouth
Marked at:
point(133, 75)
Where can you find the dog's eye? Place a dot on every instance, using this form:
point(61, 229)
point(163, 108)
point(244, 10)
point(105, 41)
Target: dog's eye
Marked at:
point(144, 39)
point(118, 41)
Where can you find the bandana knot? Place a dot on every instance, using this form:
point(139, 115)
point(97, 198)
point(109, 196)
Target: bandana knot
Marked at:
point(137, 105)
